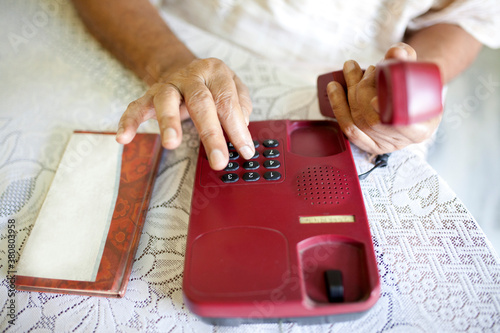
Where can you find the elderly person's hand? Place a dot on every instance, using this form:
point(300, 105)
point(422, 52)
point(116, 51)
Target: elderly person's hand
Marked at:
point(358, 112)
point(209, 92)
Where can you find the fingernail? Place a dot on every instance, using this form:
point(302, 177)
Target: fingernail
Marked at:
point(368, 71)
point(119, 132)
point(169, 135)
point(331, 87)
point(246, 152)
point(403, 49)
point(349, 65)
point(216, 158)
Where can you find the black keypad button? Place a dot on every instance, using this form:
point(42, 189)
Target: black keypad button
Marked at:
point(251, 165)
point(256, 155)
point(272, 164)
point(232, 166)
point(230, 178)
point(271, 153)
point(230, 145)
point(270, 143)
point(256, 143)
point(233, 155)
point(272, 175)
point(251, 176)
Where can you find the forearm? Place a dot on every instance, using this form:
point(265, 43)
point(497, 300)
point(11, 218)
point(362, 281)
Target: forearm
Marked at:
point(136, 34)
point(449, 46)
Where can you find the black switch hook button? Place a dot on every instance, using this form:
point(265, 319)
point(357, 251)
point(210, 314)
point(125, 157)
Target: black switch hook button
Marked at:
point(334, 286)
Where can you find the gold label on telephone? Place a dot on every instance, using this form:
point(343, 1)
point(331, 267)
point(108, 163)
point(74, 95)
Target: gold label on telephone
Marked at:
point(327, 219)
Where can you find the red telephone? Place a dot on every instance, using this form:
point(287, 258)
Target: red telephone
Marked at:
point(282, 235)
point(285, 234)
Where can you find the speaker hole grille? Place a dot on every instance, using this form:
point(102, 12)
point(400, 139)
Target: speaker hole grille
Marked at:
point(322, 185)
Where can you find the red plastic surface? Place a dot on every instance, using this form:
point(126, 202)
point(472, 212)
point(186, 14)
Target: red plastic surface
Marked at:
point(249, 256)
point(408, 92)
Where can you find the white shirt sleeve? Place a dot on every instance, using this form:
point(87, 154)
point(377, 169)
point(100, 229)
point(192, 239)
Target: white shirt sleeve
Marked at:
point(480, 18)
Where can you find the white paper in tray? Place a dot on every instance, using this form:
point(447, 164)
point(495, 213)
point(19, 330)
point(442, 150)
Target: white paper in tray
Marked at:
point(68, 237)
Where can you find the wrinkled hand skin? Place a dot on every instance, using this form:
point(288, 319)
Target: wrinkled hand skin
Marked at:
point(209, 92)
point(358, 112)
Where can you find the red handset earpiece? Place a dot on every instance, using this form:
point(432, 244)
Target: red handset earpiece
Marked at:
point(408, 91)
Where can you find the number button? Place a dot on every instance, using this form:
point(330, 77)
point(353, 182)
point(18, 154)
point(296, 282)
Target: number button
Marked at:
point(272, 175)
point(233, 155)
point(270, 143)
point(272, 164)
point(230, 178)
point(251, 165)
point(271, 153)
point(232, 166)
point(251, 176)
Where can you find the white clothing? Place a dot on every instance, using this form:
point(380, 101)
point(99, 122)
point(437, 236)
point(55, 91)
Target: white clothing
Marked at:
point(322, 32)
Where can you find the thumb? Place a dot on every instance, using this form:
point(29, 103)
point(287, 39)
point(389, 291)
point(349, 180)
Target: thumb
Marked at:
point(401, 51)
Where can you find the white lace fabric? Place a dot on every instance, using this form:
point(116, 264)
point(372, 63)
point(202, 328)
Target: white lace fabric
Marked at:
point(438, 271)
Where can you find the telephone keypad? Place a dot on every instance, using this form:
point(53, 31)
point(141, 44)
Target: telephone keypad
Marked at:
point(267, 156)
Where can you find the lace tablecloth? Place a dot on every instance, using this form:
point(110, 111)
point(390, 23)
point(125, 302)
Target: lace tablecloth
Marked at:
point(438, 271)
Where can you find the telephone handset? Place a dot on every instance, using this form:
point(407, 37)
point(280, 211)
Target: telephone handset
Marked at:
point(408, 91)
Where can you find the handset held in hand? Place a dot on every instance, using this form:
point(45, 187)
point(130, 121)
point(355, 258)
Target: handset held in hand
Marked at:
point(408, 91)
